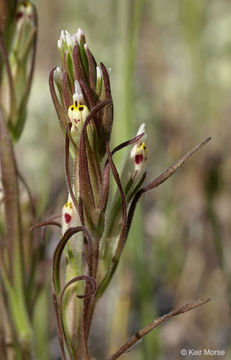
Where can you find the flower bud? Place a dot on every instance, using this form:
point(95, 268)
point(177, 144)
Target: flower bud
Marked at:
point(65, 43)
point(58, 76)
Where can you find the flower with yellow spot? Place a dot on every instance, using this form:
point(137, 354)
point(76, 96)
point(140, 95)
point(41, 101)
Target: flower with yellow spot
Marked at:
point(77, 114)
point(140, 156)
point(69, 216)
point(24, 12)
point(139, 151)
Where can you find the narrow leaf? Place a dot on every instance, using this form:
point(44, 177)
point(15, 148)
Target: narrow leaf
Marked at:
point(67, 97)
point(141, 333)
point(86, 192)
point(59, 249)
point(173, 168)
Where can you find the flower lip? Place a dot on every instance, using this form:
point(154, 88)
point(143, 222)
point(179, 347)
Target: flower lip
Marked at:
point(25, 11)
point(139, 158)
point(139, 151)
point(67, 218)
point(69, 215)
point(140, 131)
point(77, 113)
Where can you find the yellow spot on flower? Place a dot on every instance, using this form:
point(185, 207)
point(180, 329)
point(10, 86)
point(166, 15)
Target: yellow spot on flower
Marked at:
point(139, 155)
point(68, 205)
point(141, 146)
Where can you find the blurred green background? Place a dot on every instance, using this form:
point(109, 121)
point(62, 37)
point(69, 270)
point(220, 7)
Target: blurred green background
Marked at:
point(170, 68)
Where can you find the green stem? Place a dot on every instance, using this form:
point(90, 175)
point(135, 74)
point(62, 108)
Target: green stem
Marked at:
point(14, 285)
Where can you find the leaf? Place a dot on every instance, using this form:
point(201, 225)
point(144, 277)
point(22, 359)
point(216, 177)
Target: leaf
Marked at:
point(141, 333)
point(58, 253)
point(62, 116)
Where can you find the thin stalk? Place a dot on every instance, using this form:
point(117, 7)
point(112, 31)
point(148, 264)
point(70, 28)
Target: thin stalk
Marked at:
point(13, 236)
point(143, 332)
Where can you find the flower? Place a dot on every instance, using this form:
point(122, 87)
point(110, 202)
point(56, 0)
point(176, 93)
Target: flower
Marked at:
point(139, 151)
point(69, 215)
point(24, 13)
point(77, 114)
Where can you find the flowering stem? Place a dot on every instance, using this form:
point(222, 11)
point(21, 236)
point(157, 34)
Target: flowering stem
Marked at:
point(85, 111)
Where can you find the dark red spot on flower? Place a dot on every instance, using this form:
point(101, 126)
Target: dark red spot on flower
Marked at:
point(139, 158)
point(19, 15)
point(81, 108)
point(67, 217)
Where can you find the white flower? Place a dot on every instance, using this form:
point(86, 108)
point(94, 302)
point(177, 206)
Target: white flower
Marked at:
point(69, 215)
point(77, 113)
point(139, 150)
